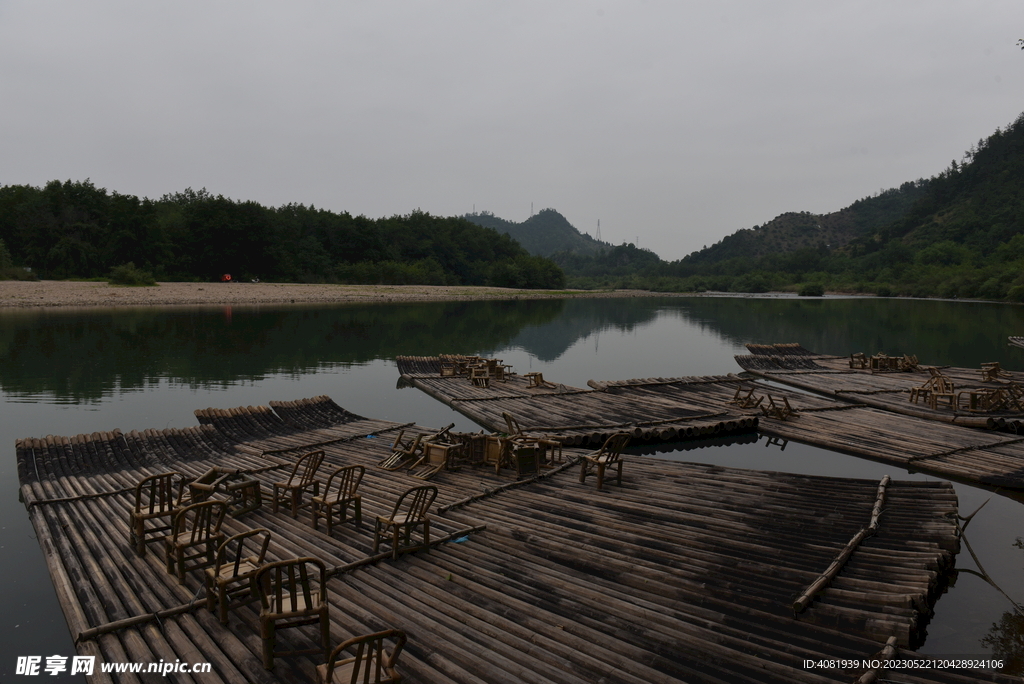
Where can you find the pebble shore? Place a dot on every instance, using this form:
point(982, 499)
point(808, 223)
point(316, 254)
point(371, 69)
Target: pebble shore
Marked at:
point(62, 293)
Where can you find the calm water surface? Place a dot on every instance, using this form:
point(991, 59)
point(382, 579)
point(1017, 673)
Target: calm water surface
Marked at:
point(65, 373)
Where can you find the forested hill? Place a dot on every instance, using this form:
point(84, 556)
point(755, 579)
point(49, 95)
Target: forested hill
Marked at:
point(958, 234)
point(74, 229)
point(793, 231)
point(545, 233)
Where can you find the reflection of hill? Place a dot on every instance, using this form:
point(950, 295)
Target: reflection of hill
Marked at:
point(86, 355)
point(582, 317)
point(938, 332)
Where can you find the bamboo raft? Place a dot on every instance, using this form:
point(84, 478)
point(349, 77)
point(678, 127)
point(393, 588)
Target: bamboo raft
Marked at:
point(577, 416)
point(793, 365)
point(683, 573)
point(662, 409)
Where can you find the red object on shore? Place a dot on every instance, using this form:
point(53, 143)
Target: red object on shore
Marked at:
point(226, 278)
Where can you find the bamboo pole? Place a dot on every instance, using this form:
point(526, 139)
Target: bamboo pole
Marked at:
point(833, 569)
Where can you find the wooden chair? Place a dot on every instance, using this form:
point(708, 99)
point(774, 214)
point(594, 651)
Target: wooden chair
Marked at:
point(303, 477)
point(154, 501)
point(195, 537)
point(479, 376)
point(991, 371)
point(339, 493)
point(536, 379)
point(780, 410)
point(242, 493)
point(371, 663)
point(858, 360)
point(937, 387)
point(236, 569)
point(498, 370)
point(437, 456)
point(288, 601)
point(403, 452)
point(880, 362)
point(409, 513)
point(448, 367)
point(746, 400)
point(609, 455)
point(549, 451)
point(909, 362)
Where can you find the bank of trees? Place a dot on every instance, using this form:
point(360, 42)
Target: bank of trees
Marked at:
point(73, 229)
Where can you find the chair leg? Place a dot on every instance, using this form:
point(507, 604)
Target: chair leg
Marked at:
point(600, 476)
point(133, 535)
point(180, 557)
point(325, 635)
point(394, 545)
point(376, 537)
point(426, 536)
point(276, 500)
point(211, 595)
point(222, 613)
point(358, 510)
point(583, 471)
point(268, 636)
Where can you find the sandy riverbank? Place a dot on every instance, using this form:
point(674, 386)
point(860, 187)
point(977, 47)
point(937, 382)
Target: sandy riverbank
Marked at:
point(58, 293)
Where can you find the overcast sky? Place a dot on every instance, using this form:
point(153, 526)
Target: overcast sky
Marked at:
point(675, 123)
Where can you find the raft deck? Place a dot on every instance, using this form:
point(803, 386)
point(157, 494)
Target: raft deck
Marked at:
point(683, 573)
point(793, 365)
point(575, 415)
point(667, 409)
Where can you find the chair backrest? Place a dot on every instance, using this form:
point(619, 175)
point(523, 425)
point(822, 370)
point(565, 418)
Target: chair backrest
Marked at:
point(614, 445)
point(252, 539)
point(442, 434)
point(155, 494)
point(284, 587)
point(371, 662)
point(200, 521)
point(415, 503)
point(511, 423)
point(410, 447)
point(305, 469)
point(346, 479)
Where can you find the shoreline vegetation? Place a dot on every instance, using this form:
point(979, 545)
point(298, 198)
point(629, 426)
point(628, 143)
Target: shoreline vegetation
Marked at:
point(22, 294)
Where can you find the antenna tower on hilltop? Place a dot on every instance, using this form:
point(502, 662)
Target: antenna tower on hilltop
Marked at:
point(598, 237)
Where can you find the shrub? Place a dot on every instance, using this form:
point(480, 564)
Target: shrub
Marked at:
point(812, 290)
point(127, 274)
point(751, 283)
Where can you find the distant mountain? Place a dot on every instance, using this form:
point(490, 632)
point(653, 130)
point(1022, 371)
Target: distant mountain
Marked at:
point(793, 231)
point(959, 234)
point(543, 234)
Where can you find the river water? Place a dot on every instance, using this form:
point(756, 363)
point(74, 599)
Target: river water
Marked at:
point(68, 372)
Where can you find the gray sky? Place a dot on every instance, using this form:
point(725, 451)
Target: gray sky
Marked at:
point(675, 122)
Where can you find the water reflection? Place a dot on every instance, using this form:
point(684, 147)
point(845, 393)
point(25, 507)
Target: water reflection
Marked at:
point(1006, 640)
point(84, 356)
point(1006, 637)
point(938, 332)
